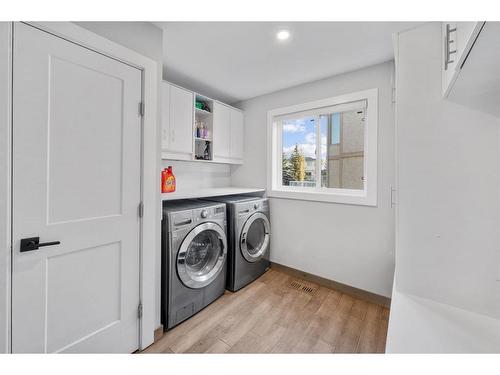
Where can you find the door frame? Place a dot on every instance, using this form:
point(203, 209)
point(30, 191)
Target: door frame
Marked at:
point(150, 191)
point(5, 183)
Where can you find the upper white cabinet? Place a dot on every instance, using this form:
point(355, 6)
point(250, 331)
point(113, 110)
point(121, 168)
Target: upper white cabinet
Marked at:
point(198, 128)
point(477, 81)
point(228, 134)
point(458, 38)
point(177, 122)
point(222, 128)
point(236, 145)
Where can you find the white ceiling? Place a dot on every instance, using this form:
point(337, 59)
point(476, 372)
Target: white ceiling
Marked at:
point(233, 61)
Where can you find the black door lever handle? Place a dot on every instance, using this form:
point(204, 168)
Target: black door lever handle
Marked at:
point(33, 243)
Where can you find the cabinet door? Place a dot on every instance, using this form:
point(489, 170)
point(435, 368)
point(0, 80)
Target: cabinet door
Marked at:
point(236, 131)
point(181, 120)
point(221, 132)
point(165, 115)
point(461, 41)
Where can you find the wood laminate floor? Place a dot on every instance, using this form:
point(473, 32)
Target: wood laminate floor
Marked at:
point(281, 314)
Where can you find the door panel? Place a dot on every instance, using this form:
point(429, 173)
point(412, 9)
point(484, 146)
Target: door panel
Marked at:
point(76, 179)
point(79, 134)
point(222, 122)
point(76, 308)
point(181, 120)
point(236, 146)
point(165, 115)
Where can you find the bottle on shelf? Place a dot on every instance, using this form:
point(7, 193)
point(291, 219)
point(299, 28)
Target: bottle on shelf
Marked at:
point(206, 153)
point(202, 130)
point(197, 130)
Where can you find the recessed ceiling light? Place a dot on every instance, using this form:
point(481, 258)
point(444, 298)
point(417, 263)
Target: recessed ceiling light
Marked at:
point(283, 35)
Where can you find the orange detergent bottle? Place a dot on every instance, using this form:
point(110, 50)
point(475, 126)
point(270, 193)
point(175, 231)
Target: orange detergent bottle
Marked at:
point(169, 181)
point(163, 179)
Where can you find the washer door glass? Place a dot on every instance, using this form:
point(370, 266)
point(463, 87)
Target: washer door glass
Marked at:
point(254, 240)
point(201, 256)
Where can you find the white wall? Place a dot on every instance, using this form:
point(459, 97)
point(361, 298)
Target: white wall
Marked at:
point(449, 186)
point(4, 186)
point(193, 175)
point(350, 244)
point(142, 37)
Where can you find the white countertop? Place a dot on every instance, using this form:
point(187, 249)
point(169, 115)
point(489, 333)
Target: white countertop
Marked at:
point(419, 325)
point(208, 192)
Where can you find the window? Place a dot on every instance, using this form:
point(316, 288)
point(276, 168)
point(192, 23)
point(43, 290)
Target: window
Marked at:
point(326, 150)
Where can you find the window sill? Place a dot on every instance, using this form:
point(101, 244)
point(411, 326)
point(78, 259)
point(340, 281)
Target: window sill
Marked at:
point(350, 197)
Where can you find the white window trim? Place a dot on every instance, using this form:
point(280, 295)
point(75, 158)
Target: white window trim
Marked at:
point(366, 197)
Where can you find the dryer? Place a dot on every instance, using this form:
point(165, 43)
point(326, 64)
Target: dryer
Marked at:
point(194, 252)
point(249, 238)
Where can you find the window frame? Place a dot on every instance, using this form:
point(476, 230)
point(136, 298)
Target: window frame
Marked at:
point(367, 196)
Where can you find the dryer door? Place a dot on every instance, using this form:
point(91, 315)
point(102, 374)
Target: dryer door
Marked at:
point(201, 255)
point(254, 239)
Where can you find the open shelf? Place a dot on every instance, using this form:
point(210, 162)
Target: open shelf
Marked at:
point(202, 112)
point(203, 128)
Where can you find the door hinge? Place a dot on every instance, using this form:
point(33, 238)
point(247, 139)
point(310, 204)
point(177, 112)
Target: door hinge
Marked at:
point(141, 109)
point(141, 209)
point(139, 310)
point(393, 196)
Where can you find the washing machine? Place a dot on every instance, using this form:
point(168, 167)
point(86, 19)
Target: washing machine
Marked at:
point(249, 238)
point(194, 253)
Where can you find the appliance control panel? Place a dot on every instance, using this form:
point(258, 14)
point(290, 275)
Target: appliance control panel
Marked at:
point(214, 212)
point(250, 207)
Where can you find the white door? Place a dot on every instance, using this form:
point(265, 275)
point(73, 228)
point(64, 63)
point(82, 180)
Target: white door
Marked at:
point(76, 179)
point(181, 120)
point(236, 146)
point(222, 123)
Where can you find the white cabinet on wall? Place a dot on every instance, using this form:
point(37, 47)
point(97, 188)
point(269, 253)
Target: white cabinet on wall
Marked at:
point(228, 134)
point(476, 80)
point(236, 146)
point(177, 122)
point(197, 128)
point(458, 39)
point(222, 127)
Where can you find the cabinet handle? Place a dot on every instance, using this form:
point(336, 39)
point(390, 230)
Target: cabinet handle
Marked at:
point(447, 41)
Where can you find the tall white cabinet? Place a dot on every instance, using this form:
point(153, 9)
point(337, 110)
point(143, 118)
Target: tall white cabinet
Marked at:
point(445, 295)
point(181, 121)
